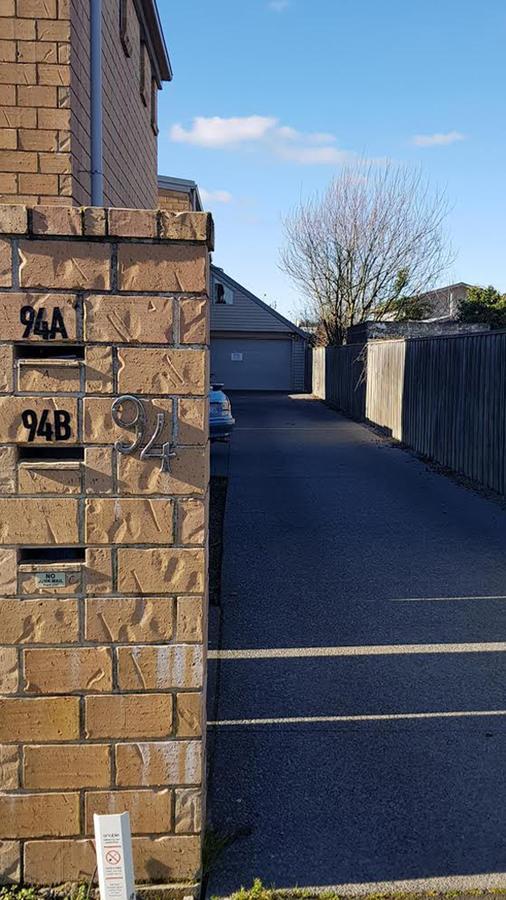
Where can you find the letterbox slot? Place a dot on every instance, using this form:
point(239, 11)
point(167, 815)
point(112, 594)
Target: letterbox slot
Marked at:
point(51, 555)
point(50, 454)
point(52, 352)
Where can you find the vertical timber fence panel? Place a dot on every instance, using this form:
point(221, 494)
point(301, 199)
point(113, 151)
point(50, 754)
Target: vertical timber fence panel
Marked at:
point(445, 397)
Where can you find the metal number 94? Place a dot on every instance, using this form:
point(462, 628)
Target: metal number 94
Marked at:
point(137, 423)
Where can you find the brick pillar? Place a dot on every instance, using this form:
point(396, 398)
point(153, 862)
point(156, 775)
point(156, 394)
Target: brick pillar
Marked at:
point(102, 552)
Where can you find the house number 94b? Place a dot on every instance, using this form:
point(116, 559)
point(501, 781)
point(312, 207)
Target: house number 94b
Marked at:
point(138, 424)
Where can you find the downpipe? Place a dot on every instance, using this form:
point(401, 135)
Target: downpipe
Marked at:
point(96, 106)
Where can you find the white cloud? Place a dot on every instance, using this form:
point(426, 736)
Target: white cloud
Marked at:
point(218, 132)
point(215, 196)
point(438, 140)
point(278, 5)
point(305, 148)
point(311, 156)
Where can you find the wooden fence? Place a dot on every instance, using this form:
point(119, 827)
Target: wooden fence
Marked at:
point(443, 396)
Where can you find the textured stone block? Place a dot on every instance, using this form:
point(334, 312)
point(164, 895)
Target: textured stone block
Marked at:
point(13, 219)
point(131, 223)
point(94, 221)
point(162, 267)
point(189, 619)
point(98, 470)
point(189, 714)
point(194, 321)
point(38, 815)
point(8, 572)
point(52, 671)
point(9, 676)
point(152, 370)
point(128, 319)
point(56, 219)
point(193, 421)
point(5, 264)
point(128, 716)
point(53, 767)
point(8, 457)
point(145, 619)
point(191, 516)
point(98, 571)
point(10, 862)
point(29, 582)
point(54, 862)
point(38, 521)
point(159, 763)
point(160, 668)
point(48, 376)
point(37, 9)
point(39, 621)
point(128, 521)
point(164, 859)
point(13, 329)
point(98, 371)
point(9, 768)
point(165, 571)
point(12, 429)
point(187, 226)
point(39, 719)
point(150, 811)
point(49, 478)
point(188, 811)
point(189, 473)
point(6, 363)
point(99, 427)
point(78, 265)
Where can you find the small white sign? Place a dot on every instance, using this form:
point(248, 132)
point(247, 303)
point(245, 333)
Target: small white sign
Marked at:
point(236, 357)
point(51, 579)
point(113, 842)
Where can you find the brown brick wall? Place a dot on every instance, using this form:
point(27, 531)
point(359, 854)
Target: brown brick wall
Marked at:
point(35, 159)
point(102, 675)
point(130, 144)
point(45, 107)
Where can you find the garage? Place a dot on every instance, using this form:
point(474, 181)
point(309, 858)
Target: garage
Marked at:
point(253, 347)
point(244, 364)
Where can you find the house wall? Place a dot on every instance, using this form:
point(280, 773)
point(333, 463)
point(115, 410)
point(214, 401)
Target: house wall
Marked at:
point(45, 107)
point(102, 641)
point(243, 314)
point(175, 201)
point(130, 143)
point(35, 161)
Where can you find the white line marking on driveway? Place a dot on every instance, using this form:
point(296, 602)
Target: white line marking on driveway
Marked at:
point(367, 650)
point(379, 717)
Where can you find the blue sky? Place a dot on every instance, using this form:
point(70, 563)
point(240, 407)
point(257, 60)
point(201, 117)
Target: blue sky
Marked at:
point(269, 98)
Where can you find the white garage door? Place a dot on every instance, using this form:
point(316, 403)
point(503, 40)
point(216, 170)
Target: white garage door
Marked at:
point(252, 365)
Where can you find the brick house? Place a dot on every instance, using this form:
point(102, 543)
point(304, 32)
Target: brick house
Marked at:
point(52, 135)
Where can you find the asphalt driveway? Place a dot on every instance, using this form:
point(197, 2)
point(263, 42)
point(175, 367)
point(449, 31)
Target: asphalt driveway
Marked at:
point(357, 703)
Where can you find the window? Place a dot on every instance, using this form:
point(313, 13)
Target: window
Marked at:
point(154, 105)
point(145, 74)
point(223, 295)
point(123, 27)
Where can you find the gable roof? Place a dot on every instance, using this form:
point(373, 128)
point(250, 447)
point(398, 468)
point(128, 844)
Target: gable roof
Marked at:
point(221, 276)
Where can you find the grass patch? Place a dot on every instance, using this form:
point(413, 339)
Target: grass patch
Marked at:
point(259, 892)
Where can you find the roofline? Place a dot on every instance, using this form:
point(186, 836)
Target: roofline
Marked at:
point(446, 287)
point(151, 27)
point(221, 274)
point(166, 182)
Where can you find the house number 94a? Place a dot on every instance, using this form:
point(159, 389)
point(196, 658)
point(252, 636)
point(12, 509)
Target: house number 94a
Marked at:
point(137, 423)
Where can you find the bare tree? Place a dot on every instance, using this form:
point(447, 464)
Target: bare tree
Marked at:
point(374, 239)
